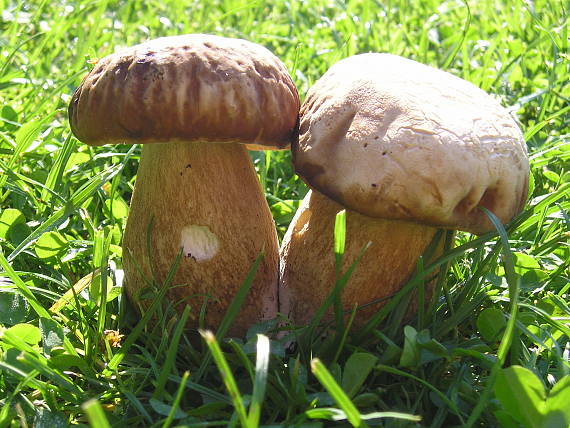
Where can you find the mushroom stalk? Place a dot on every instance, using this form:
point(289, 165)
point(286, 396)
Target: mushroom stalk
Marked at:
point(308, 272)
point(203, 199)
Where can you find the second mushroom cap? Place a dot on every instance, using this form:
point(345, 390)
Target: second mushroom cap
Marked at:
point(392, 138)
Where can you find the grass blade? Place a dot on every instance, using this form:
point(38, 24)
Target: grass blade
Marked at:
point(336, 392)
point(330, 413)
point(78, 287)
point(260, 383)
point(451, 56)
point(96, 414)
point(227, 376)
point(171, 354)
point(514, 286)
point(178, 396)
point(339, 237)
point(103, 242)
point(339, 245)
point(56, 172)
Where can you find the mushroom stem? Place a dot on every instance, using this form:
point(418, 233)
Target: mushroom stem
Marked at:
point(204, 199)
point(308, 262)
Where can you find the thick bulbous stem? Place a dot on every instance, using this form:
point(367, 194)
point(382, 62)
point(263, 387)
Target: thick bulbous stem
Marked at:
point(203, 199)
point(307, 265)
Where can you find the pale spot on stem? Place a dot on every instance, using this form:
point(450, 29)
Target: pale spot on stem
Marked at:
point(199, 243)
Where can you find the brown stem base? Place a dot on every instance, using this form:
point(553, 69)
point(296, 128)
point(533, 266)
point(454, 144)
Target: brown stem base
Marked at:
point(203, 199)
point(308, 263)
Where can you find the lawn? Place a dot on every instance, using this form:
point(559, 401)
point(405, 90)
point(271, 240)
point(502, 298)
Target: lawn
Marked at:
point(491, 350)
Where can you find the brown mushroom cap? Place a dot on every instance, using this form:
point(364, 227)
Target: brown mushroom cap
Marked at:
point(191, 87)
point(392, 138)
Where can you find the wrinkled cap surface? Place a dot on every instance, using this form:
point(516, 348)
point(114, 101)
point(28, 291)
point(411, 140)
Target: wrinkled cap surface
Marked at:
point(191, 87)
point(392, 138)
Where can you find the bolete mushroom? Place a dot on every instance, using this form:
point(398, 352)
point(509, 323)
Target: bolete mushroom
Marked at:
point(406, 149)
point(195, 101)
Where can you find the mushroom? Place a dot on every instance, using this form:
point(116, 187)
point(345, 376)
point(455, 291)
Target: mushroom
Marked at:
point(405, 149)
point(195, 101)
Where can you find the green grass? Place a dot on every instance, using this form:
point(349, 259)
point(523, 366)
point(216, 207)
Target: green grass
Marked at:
point(501, 322)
